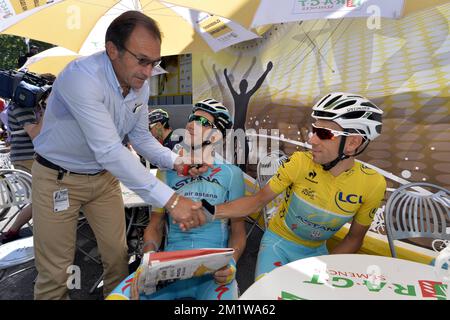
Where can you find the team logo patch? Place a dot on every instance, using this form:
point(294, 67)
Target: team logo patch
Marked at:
point(367, 170)
point(311, 176)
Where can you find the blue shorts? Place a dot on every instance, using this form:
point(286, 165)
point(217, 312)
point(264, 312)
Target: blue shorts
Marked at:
point(275, 251)
point(197, 288)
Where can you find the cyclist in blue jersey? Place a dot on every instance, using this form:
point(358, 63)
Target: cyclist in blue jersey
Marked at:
point(222, 183)
point(158, 121)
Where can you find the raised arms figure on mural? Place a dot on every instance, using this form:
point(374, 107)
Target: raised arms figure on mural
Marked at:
point(242, 99)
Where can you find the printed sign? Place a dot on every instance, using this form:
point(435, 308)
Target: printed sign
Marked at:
point(13, 11)
point(310, 6)
point(217, 32)
point(271, 11)
point(11, 8)
point(214, 26)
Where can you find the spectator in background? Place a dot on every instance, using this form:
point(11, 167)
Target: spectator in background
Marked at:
point(25, 124)
point(3, 120)
point(22, 59)
point(158, 121)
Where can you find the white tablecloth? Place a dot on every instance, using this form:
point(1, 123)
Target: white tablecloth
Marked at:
point(349, 276)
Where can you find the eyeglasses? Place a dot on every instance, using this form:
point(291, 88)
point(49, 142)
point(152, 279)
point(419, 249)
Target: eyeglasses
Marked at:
point(200, 119)
point(145, 62)
point(328, 134)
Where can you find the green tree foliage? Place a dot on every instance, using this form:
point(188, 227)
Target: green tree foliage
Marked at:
point(12, 47)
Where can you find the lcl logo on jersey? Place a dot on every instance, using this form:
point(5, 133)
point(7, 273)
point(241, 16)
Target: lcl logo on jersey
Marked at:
point(343, 200)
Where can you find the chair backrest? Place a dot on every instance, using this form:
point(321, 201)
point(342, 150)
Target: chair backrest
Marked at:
point(265, 169)
point(5, 160)
point(417, 210)
point(268, 165)
point(15, 188)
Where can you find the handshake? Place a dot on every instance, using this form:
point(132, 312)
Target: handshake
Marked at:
point(189, 214)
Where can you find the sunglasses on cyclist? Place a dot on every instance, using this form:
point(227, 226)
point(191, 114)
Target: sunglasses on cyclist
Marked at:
point(145, 62)
point(327, 134)
point(200, 119)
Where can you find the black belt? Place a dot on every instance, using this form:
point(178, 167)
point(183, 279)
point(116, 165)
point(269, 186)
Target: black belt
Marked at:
point(53, 166)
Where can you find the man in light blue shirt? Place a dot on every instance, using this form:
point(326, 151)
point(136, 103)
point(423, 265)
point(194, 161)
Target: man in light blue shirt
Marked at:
point(80, 159)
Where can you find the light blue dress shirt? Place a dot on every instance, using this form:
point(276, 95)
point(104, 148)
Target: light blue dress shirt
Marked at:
point(86, 120)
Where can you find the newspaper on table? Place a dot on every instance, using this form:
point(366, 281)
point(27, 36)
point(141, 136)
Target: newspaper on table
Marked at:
point(160, 267)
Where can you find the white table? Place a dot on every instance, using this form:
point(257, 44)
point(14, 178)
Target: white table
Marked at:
point(349, 276)
point(16, 252)
point(131, 199)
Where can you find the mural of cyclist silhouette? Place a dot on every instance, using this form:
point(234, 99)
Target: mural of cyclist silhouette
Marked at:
point(242, 99)
point(226, 98)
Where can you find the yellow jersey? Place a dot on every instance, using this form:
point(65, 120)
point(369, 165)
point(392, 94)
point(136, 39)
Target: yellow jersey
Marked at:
point(317, 204)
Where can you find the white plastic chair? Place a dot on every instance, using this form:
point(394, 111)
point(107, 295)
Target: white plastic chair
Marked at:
point(5, 160)
point(417, 210)
point(267, 166)
point(15, 192)
point(5, 163)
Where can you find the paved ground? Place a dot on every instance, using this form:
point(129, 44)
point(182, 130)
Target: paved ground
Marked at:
point(19, 286)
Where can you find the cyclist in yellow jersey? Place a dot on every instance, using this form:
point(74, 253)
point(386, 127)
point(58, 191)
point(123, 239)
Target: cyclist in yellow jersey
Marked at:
point(324, 188)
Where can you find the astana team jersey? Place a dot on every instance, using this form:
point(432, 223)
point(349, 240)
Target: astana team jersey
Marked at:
point(223, 183)
point(317, 204)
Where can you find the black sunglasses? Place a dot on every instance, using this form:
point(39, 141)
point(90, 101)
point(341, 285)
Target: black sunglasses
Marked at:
point(327, 134)
point(145, 62)
point(200, 119)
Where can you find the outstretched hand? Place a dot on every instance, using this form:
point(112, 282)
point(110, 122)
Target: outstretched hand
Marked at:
point(186, 213)
point(197, 210)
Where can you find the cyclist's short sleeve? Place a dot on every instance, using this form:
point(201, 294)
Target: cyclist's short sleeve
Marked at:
point(237, 184)
point(161, 175)
point(366, 212)
point(286, 174)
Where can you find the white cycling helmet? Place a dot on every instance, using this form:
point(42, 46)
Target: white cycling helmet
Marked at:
point(222, 117)
point(158, 115)
point(352, 112)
